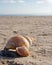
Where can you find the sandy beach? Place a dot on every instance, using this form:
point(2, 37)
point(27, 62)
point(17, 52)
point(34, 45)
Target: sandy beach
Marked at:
point(38, 27)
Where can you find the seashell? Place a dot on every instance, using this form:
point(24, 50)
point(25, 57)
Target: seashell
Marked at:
point(30, 39)
point(10, 45)
point(19, 41)
point(22, 51)
point(20, 44)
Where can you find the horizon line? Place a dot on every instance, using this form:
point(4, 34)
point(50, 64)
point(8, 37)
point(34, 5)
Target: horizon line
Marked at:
point(25, 14)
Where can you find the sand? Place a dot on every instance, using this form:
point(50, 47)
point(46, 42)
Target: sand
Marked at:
point(38, 27)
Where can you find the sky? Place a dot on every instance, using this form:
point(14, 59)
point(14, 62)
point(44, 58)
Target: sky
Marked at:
point(25, 7)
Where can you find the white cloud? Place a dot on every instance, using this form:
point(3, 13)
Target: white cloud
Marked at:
point(49, 1)
point(44, 1)
point(20, 1)
point(40, 2)
point(11, 1)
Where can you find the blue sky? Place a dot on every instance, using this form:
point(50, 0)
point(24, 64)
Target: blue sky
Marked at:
point(32, 7)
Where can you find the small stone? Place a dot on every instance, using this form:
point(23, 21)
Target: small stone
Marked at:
point(2, 62)
point(15, 32)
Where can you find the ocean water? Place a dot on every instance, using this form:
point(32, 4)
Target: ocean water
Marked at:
point(25, 15)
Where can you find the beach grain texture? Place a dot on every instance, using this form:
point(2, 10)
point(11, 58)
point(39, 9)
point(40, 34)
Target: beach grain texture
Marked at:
point(40, 27)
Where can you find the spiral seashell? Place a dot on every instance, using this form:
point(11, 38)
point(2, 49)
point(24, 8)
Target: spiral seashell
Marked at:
point(20, 44)
point(18, 41)
point(22, 51)
point(30, 39)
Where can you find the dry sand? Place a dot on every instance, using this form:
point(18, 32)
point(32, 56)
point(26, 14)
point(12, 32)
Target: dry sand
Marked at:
point(38, 27)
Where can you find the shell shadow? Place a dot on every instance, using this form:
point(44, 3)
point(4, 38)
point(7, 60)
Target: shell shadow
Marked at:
point(9, 54)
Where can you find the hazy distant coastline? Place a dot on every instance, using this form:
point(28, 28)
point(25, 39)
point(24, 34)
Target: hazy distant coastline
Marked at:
point(25, 15)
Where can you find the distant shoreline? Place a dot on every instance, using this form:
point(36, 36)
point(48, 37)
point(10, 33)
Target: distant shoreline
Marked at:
point(22, 15)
